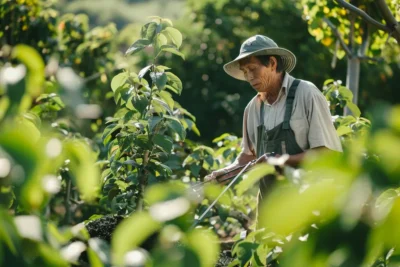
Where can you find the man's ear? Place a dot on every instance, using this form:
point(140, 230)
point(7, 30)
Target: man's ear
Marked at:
point(273, 62)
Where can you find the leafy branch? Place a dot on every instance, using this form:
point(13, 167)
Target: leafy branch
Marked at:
point(392, 26)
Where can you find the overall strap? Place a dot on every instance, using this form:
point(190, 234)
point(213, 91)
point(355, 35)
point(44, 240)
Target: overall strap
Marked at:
point(289, 104)
point(261, 114)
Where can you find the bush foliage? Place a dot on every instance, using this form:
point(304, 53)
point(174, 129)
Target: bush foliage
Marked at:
point(96, 168)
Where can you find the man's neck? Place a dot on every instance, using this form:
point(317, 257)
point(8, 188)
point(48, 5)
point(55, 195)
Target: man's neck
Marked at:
point(273, 91)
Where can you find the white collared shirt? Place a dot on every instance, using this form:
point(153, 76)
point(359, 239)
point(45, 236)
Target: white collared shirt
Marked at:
point(311, 120)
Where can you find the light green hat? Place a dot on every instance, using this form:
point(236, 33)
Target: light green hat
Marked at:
point(260, 45)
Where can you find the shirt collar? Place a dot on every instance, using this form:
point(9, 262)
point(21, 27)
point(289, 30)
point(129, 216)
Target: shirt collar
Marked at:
point(287, 79)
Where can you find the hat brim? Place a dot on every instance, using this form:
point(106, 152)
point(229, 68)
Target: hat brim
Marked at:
point(288, 59)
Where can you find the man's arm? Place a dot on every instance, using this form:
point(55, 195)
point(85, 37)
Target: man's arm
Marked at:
point(241, 160)
point(246, 155)
point(297, 159)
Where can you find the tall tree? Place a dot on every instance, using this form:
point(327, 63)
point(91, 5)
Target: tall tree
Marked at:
point(363, 30)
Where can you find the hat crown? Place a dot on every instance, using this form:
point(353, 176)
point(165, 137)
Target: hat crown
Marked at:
point(257, 42)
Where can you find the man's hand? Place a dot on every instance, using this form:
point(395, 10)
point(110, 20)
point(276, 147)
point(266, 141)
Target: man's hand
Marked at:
point(214, 175)
point(262, 159)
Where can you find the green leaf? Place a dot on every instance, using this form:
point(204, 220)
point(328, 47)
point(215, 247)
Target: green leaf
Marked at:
point(221, 137)
point(119, 80)
point(156, 18)
point(62, 237)
point(8, 233)
point(110, 129)
point(163, 141)
point(160, 106)
point(142, 140)
point(283, 219)
point(207, 149)
point(154, 121)
point(99, 252)
point(173, 89)
point(223, 213)
point(162, 192)
point(195, 169)
point(143, 71)
point(140, 103)
point(94, 259)
point(162, 68)
point(161, 40)
point(174, 81)
point(260, 255)
point(119, 93)
point(385, 201)
point(167, 22)
point(4, 105)
point(162, 168)
point(6, 196)
point(173, 50)
point(130, 233)
point(354, 109)
point(50, 256)
point(175, 36)
point(83, 169)
point(205, 244)
point(328, 81)
point(137, 46)
point(167, 98)
point(20, 142)
point(52, 100)
point(160, 79)
point(212, 191)
point(187, 113)
point(148, 31)
point(252, 177)
point(345, 121)
point(343, 130)
point(35, 65)
point(346, 93)
point(244, 251)
point(234, 263)
point(175, 125)
point(195, 129)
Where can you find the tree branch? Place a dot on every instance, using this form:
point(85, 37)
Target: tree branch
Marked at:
point(336, 32)
point(364, 15)
point(352, 19)
point(365, 40)
point(365, 58)
point(394, 26)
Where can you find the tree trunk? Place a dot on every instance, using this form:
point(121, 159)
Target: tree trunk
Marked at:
point(352, 79)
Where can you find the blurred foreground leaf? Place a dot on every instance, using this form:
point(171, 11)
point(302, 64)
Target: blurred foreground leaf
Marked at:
point(131, 233)
point(82, 165)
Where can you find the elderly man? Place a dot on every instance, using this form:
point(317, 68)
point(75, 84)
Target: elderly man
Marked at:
point(287, 116)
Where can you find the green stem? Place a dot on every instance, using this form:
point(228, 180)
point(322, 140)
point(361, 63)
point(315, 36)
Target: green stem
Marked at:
point(146, 155)
point(67, 202)
point(142, 181)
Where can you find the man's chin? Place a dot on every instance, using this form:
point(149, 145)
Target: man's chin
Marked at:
point(258, 89)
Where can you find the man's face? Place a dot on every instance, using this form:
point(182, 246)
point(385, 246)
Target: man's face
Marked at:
point(257, 74)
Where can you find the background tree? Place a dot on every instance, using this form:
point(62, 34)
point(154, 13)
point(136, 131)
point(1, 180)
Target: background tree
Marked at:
point(360, 33)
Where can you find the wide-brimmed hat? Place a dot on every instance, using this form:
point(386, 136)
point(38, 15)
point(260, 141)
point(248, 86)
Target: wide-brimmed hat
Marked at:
point(260, 45)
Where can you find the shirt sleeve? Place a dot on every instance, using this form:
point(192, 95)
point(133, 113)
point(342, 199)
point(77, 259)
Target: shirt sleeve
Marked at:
point(322, 133)
point(247, 147)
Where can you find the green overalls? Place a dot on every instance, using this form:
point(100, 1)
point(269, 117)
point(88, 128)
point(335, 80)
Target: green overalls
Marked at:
point(279, 140)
